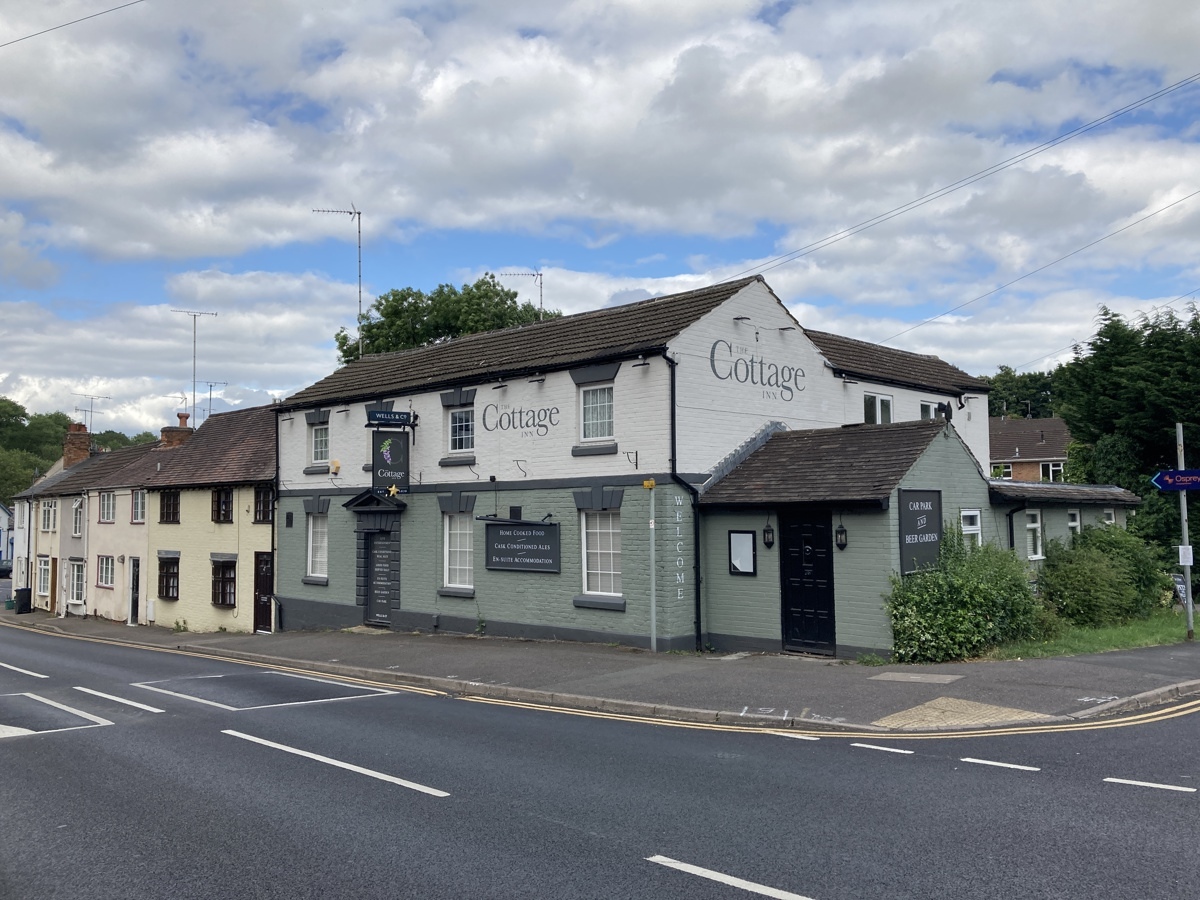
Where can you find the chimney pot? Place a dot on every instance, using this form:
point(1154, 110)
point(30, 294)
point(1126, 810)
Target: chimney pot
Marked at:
point(183, 419)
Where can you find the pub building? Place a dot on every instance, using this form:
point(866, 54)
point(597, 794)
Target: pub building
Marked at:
point(694, 470)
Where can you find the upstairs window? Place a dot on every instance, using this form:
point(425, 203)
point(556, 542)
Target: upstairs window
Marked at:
point(1052, 471)
point(877, 409)
point(222, 505)
point(168, 507)
point(926, 412)
point(77, 518)
point(108, 506)
point(137, 507)
point(319, 443)
point(462, 430)
point(596, 412)
point(49, 515)
point(264, 503)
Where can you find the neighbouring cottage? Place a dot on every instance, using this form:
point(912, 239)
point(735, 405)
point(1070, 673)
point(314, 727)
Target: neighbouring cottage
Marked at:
point(1029, 449)
point(547, 480)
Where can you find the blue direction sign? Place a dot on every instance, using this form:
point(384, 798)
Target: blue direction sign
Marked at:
point(1177, 480)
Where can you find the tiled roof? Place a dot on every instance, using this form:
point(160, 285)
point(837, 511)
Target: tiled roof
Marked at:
point(1057, 492)
point(644, 327)
point(111, 469)
point(1028, 439)
point(229, 448)
point(851, 464)
point(48, 485)
point(885, 364)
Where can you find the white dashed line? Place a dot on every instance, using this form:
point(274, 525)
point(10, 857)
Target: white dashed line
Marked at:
point(750, 886)
point(884, 749)
point(1001, 765)
point(800, 737)
point(23, 671)
point(411, 785)
point(133, 703)
point(1151, 784)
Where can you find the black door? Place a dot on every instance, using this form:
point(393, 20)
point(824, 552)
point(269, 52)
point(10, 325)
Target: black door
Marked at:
point(264, 587)
point(135, 588)
point(382, 579)
point(806, 572)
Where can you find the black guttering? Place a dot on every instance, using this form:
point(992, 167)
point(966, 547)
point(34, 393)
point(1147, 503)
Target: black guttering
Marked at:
point(476, 379)
point(958, 392)
point(695, 495)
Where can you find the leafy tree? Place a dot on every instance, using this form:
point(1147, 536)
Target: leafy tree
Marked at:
point(409, 317)
point(18, 468)
point(1019, 395)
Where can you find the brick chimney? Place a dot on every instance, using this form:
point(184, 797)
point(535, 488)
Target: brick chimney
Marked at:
point(173, 436)
point(77, 445)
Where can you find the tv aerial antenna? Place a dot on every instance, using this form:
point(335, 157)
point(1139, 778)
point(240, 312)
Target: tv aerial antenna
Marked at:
point(537, 277)
point(211, 385)
point(195, 314)
point(356, 214)
point(91, 408)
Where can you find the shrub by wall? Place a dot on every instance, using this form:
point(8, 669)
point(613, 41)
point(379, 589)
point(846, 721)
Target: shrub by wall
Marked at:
point(972, 600)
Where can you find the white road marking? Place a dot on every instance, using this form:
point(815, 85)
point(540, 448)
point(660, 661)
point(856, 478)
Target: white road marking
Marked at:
point(150, 687)
point(750, 886)
point(1151, 784)
point(1002, 765)
point(70, 709)
point(411, 785)
point(884, 749)
point(23, 671)
point(134, 703)
point(800, 737)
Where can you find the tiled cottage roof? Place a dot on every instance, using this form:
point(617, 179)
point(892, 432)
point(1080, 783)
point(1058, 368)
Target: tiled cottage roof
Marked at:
point(644, 327)
point(1034, 492)
point(886, 364)
point(851, 464)
point(104, 470)
point(229, 448)
point(1034, 440)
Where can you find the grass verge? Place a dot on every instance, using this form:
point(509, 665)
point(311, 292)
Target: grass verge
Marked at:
point(1167, 626)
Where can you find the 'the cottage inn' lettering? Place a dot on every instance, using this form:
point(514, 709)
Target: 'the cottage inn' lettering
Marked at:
point(529, 422)
point(740, 364)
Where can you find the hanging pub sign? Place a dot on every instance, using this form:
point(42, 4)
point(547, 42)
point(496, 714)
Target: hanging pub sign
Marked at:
point(920, 529)
point(389, 462)
point(523, 547)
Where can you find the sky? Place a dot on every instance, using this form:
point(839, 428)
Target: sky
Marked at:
point(169, 155)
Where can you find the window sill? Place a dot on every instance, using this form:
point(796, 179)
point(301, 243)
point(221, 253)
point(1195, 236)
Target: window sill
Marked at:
point(601, 449)
point(614, 603)
point(461, 593)
point(172, 599)
point(225, 605)
point(457, 460)
point(319, 580)
point(317, 470)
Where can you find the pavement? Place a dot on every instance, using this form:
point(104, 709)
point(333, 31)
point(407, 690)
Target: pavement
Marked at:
point(751, 689)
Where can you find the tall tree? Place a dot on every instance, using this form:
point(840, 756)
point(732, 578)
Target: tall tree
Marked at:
point(1013, 395)
point(409, 317)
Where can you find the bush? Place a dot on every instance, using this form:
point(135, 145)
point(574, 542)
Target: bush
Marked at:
point(1106, 577)
point(972, 600)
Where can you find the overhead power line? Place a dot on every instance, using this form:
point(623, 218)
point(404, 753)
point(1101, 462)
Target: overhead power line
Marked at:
point(837, 236)
point(72, 22)
point(1042, 268)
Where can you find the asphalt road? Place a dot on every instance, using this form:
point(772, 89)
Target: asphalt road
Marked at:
point(251, 783)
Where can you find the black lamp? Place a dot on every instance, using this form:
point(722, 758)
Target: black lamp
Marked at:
point(768, 536)
point(839, 536)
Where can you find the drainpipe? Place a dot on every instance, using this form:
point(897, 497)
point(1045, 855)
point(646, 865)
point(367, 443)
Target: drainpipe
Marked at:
point(695, 495)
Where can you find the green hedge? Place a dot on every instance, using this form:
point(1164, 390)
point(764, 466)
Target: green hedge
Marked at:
point(972, 600)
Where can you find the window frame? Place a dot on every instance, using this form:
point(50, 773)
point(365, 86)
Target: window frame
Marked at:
point(49, 516)
point(77, 516)
point(264, 504)
point(927, 412)
point(462, 440)
point(878, 404)
point(1109, 515)
point(168, 578)
point(1050, 469)
point(106, 571)
point(1074, 522)
point(107, 508)
point(318, 443)
point(972, 534)
point(43, 576)
point(224, 583)
point(454, 552)
point(310, 558)
point(77, 590)
point(742, 536)
point(168, 507)
point(137, 506)
point(1033, 532)
point(222, 505)
point(612, 554)
point(586, 390)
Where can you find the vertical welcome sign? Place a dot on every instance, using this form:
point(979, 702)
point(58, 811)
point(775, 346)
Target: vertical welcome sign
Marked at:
point(389, 462)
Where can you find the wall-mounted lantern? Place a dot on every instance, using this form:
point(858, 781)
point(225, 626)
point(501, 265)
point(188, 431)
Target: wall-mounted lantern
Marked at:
point(768, 536)
point(839, 536)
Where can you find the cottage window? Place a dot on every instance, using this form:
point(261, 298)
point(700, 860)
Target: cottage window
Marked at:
point(224, 583)
point(105, 571)
point(743, 555)
point(43, 576)
point(971, 523)
point(168, 578)
point(49, 515)
point(137, 507)
point(1033, 534)
point(459, 551)
point(1073, 521)
point(596, 412)
point(264, 504)
point(1110, 517)
point(926, 412)
point(222, 505)
point(108, 506)
point(877, 409)
point(462, 430)
point(168, 507)
point(1052, 471)
point(77, 518)
point(318, 545)
point(319, 442)
point(601, 552)
point(78, 583)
